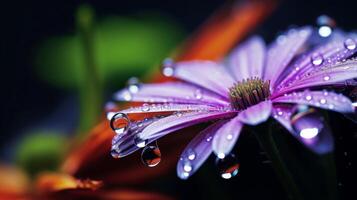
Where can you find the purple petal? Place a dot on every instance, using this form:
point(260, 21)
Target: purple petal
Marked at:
point(247, 60)
point(282, 113)
point(330, 53)
point(156, 108)
point(226, 137)
point(329, 75)
point(197, 151)
point(179, 121)
point(207, 74)
point(171, 92)
point(123, 145)
point(283, 50)
point(320, 99)
point(256, 114)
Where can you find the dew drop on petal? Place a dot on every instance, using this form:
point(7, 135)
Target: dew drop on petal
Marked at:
point(228, 167)
point(133, 85)
point(151, 155)
point(198, 94)
point(120, 123)
point(307, 123)
point(191, 155)
point(127, 96)
point(326, 78)
point(317, 59)
point(167, 68)
point(145, 107)
point(350, 44)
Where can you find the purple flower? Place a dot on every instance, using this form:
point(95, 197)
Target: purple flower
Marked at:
point(254, 83)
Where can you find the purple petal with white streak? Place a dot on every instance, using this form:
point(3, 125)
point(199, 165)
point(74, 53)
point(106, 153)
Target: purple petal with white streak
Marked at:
point(248, 59)
point(328, 75)
point(256, 114)
point(321, 99)
point(197, 151)
point(331, 53)
point(283, 50)
point(156, 108)
point(179, 121)
point(226, 137)
point(171, 92)
point(207, 74)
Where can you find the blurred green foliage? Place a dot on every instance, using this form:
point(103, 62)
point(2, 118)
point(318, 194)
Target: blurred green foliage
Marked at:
point(123, 47)
point(40, 151)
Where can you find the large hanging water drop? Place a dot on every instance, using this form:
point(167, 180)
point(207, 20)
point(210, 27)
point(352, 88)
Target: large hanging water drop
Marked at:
point(151, 155)
point(307, 122)
point(228, 167)
point(167, 67)
point(120, 123)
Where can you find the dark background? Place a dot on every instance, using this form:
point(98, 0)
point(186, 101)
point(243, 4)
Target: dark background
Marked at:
point(25, 99)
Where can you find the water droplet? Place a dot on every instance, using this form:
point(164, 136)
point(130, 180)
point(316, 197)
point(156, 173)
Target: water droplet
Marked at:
point(228, 167)
point(229, 137)
point(120, 123)
point(187, 167)
point(191, 155)
point(140, 142)
point(326, 24)
point(145, 107)
point(350, 44)
point(133, 85)
point(307, 122)
point(322, 101)
point(114, 153)
point(151, 156)
point(167, 68)
point(126, 95)
point(308, 97)
point(317, 59)
point(326, 78)
point(198, 94)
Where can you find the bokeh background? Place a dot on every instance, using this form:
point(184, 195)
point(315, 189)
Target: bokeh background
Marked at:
point(41, 66)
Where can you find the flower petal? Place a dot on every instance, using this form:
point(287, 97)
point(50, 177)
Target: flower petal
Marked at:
point(226, 137)
point(256, 114)
point(283, 50)
point(207, 74)
point(163, 108)
point(327, 54)
point(320, 99)
point(282, 113)
point(329, 75)
point(248, 59)
point(197, 151)
point(170, 92)
point(178, 121)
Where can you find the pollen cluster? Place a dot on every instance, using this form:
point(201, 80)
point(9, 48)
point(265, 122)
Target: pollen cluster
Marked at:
point(248, 92)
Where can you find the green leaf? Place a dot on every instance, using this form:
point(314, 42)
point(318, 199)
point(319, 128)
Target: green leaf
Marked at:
point(123, 47)
point(40, 151)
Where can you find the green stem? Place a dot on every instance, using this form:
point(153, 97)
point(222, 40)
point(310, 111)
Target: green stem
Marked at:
point(90, 88)
point(266, 141)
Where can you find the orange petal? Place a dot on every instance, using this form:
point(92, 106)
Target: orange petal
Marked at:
point(14, 183)
point(53, 182)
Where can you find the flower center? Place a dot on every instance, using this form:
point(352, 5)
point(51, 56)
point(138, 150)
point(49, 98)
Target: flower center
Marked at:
point(248, 92)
